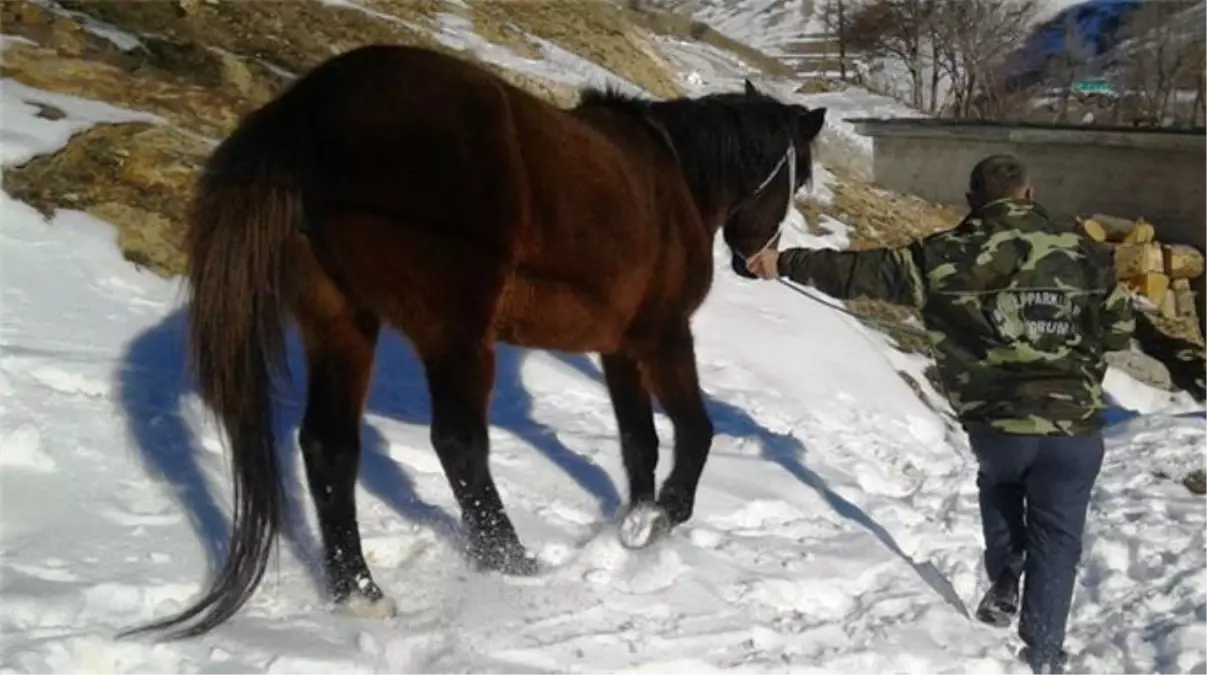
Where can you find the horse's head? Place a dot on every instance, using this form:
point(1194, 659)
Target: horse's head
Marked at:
point(743, 154)
point(773, 161)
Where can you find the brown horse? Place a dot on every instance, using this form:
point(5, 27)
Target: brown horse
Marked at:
point(399, 186)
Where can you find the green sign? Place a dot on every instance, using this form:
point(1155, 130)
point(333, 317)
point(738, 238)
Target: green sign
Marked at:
point(1097, 86)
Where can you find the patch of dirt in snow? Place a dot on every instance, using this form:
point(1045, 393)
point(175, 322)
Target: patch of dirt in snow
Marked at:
point(292, 36)
point(597, 31)
point(137, 176)
point(878, 217)
point(211, 113)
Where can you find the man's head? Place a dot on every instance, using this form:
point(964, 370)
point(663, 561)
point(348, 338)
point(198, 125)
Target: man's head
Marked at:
point(998, 177)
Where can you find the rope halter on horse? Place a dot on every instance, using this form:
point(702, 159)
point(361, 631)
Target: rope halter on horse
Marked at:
point(788, 157)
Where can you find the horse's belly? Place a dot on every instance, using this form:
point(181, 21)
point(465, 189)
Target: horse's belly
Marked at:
point(544, 314)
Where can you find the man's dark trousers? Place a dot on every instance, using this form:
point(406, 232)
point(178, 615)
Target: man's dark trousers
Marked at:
point(1034, 493)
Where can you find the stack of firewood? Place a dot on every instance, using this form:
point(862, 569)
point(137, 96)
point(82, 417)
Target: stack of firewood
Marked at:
point(1160, 272)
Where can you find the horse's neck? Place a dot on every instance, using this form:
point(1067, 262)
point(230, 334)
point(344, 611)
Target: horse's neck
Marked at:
point(632, 131)
point(662, 135)
point(625, 127)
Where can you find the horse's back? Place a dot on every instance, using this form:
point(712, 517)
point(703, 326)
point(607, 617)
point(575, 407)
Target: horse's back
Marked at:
point(416, 139)
point(412, 135)
point(442, 188)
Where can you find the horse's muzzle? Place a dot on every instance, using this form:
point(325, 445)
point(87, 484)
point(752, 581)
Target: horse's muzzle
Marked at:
point(739, 267)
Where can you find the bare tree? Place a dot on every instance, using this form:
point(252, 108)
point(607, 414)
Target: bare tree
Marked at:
point(955, 56)
point(1162, 57)
point(974, 40)
point(894, 30)
point(933, 42)
point(952, 51)
point(833, 17)
point(1200, 85)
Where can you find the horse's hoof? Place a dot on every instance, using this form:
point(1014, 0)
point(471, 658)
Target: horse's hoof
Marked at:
point(643, 525)
point(523, 566)
point(507, 558)
point(361, 606)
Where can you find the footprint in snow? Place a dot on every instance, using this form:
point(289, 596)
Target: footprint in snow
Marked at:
point(67, 382)
point(51, 569)
point(21, 449)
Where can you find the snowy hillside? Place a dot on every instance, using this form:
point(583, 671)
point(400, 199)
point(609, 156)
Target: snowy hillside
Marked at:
point(791, 31)
point(767, 25)
point(836, 527)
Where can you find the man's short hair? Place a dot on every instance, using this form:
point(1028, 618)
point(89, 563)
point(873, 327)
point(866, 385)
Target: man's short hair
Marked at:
point(997, 177)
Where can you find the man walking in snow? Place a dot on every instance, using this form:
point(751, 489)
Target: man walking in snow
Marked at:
point(1020, 310)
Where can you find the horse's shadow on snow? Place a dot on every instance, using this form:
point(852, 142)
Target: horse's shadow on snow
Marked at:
point(788, 452)
point(155, 385)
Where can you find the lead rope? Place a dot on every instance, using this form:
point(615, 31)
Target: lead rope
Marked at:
point(790, 157)
point(927, 571)
point(891, 325)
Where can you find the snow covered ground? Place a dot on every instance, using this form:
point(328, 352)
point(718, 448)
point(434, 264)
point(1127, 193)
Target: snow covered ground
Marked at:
point(836, 528)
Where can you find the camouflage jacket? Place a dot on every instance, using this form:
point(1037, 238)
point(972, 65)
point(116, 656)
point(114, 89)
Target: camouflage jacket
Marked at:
point(1019, 309)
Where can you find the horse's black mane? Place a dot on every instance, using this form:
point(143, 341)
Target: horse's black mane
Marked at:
point(725, 141)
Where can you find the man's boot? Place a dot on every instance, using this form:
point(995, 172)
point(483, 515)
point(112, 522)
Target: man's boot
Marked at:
point(1000, 603)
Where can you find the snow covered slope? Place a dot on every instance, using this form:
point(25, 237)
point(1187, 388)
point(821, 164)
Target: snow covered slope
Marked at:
point(768, 25)
point(836, 527)
point(792, 31)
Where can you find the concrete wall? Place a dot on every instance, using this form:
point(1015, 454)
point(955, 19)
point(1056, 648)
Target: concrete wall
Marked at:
point(1160, 175)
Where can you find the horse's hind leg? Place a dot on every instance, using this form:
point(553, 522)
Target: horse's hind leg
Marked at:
point(460, 375)
point(340, 345)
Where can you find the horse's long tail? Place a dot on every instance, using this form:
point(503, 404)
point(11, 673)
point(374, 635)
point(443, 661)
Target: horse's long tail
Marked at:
point(248, 203)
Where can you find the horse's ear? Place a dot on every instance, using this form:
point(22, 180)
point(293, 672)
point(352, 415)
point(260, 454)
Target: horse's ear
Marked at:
point(812, 122)
point(750, 90)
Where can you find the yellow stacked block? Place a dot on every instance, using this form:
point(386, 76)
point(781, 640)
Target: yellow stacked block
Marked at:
point(1158, 271)
point(1182, 261)
point(1154, 286)
point(1093, 229)
point(1183, 299)
point(1135, 260)
point(1141, 233)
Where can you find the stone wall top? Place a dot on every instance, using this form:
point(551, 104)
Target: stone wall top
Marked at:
point(1160, 139)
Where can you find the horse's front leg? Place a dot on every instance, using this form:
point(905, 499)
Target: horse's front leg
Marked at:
point(671, 376)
